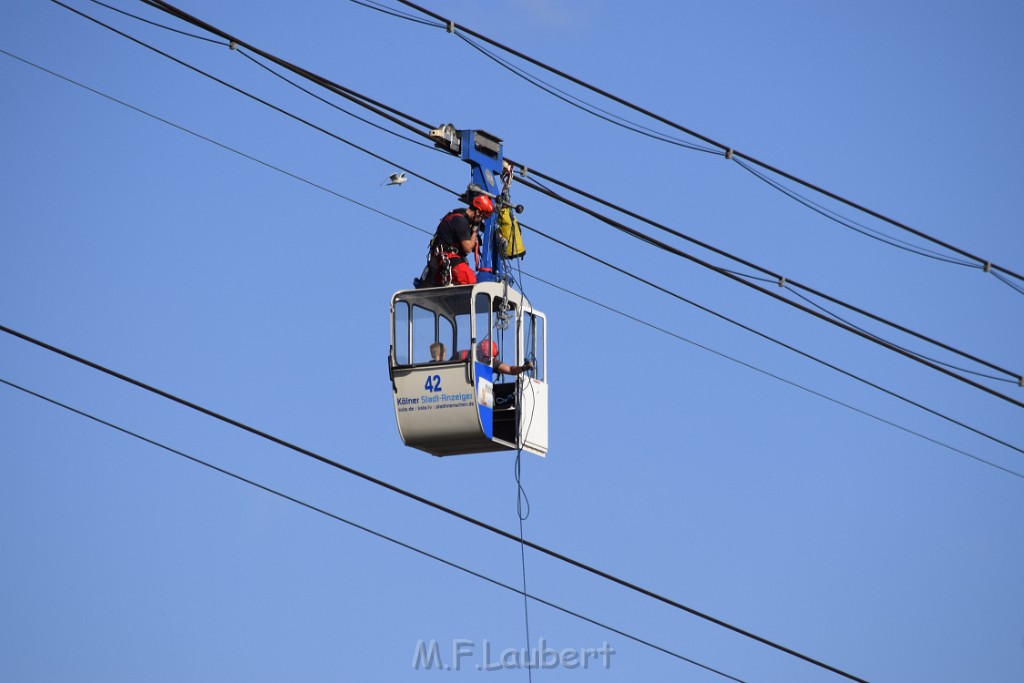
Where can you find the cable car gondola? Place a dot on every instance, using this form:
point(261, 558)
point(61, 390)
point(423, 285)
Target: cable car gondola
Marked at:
point(452, 347)
point(447, 347)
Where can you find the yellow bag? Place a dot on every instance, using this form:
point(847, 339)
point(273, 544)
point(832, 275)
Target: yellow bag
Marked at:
point(508, 227)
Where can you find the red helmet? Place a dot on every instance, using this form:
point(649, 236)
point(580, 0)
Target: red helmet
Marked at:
point(483, 204)
point(486, 350)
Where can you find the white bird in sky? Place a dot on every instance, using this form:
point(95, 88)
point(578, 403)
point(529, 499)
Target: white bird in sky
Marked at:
point(396, 179)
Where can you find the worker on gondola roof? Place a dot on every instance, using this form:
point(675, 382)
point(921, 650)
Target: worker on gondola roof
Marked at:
point(457, 237)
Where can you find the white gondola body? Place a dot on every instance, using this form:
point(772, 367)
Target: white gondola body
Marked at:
point(456, 404)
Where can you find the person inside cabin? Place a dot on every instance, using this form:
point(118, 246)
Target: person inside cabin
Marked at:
point(487, 353)
point(456, 238)
point(436, 352)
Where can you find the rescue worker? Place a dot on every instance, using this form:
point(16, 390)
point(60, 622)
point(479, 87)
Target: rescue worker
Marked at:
point(456, 238)
point(487, 353)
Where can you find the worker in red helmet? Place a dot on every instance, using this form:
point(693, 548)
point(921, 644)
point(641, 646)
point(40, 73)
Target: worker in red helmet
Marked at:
point(488, 354)
point(456, 238)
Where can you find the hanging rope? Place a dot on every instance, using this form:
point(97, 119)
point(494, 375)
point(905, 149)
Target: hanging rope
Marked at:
point(523, 511)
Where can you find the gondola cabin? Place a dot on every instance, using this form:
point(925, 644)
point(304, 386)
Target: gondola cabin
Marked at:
point(449, 346)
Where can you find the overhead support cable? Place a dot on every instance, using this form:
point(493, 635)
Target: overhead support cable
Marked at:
point(853, 225)
point(737, 278)
point(154, 23)
point(584, 106)
point(835, 315)
point(1011, 376)
point(551, 284)
point(377, 107)
point(728, 152)
point(402, 117)
point(360, 527)
point(213, 142)
point(639, 235)
point(251, 96)
point(1012, 285)
point(383, 9)
point(329, 103)
point(425, 501)
point(766, 373)
point(615, 224)
point(783, 344)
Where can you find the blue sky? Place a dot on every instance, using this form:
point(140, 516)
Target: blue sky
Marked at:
point(261, 296)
